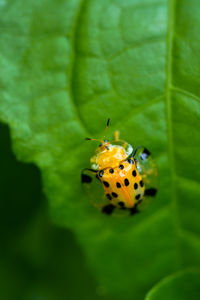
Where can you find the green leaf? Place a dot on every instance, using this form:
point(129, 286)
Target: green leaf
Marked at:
point(66, 67)
point(183, 285)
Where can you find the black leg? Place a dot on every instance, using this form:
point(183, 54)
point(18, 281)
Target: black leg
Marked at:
point(150, 192)
point(134, 210)
point(145, 154)
point(108, 209)
point(86, 178)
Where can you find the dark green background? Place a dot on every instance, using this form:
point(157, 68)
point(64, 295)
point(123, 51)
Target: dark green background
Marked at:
point(37, 260)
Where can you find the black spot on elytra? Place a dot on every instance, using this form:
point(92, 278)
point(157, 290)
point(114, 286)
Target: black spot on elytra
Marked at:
point(86, 178)
point(137, 197)
point(134, 173)
point(111, 171)
point(106, 183)
point(141, 183)
point(101, 173)
point(121, 203)
point(108, 209)
point(121, 167)
point(126, 181)
point(130, 161)
point(118, 185)
point(114, 195)
point(151, 192)
point(135, 185)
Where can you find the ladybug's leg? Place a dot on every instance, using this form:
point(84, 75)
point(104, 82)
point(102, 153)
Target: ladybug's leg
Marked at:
point(147, 169)
point(116, 135)
point(134, 210)
point(87, 175)
point(108, 209)
point(150, 192)
point(116, 138)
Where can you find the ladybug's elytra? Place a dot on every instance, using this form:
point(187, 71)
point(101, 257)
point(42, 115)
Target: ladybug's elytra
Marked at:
point(120, 177)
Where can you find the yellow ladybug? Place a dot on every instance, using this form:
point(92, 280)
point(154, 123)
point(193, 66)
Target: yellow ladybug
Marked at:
point(120, 178)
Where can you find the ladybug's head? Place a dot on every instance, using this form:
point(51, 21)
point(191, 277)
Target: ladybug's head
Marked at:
point(109, 154)
point(103, 146)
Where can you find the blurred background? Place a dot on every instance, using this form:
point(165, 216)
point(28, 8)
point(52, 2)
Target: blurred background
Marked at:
point(37, 260)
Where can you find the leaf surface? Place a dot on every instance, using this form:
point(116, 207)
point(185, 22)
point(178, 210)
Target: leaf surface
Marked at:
point(66, 67)
point(181, 286)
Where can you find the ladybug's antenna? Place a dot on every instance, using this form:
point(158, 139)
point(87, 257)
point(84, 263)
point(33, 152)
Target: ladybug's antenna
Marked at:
point(101, 140)
point(89, 139)
point(108, 122)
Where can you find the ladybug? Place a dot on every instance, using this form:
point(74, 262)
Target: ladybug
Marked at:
point(120, 178)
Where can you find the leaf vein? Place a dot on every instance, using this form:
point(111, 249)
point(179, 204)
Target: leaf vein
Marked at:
point(137, 44)
point(72, 84)
point(185, 93)
point(170, 35)
point(190, 235)
point(188, 179)
point(138, 109)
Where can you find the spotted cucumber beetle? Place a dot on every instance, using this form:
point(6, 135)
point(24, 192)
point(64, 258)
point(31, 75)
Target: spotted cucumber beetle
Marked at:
point(120, 178)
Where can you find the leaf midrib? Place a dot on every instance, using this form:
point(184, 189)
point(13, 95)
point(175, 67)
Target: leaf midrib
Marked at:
point(169, 70)
point(169, 90)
